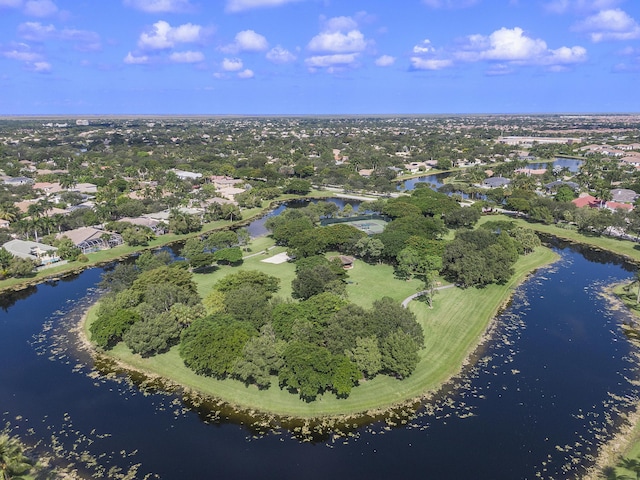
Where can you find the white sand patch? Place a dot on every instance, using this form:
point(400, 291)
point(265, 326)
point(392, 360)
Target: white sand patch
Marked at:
point(279, 258)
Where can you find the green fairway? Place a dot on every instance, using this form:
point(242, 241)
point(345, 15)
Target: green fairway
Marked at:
point(453, 329)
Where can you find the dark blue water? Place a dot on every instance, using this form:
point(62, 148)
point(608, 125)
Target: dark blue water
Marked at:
point(545, 392)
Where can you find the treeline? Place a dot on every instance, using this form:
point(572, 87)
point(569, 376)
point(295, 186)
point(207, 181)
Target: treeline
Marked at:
point(413, 241)
point(322, 343)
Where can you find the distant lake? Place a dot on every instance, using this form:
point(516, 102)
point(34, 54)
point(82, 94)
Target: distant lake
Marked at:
point(436, 180)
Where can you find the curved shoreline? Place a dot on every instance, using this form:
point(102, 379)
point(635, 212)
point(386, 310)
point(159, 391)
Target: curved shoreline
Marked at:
point(428, 390)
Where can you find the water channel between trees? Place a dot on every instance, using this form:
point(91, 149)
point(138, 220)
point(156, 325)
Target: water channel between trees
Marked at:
point(549, 388)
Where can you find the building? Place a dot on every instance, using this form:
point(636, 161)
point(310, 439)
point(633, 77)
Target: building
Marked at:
point(495, 182)
point(90, 239)
point(38, 252)
point(518, 140)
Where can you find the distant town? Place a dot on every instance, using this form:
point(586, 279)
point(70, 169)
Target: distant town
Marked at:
point(74, 186)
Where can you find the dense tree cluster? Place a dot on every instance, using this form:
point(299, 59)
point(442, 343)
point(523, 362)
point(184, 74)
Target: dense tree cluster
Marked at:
point(322, 343)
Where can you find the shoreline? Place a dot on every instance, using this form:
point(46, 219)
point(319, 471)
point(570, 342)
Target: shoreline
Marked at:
point(365, 416)
point(628, 432)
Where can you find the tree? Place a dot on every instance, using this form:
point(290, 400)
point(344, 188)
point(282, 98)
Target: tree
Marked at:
point(307, 369)
point(67, 249)
point(247, 304)
point(297, 186)
point(228, 256)
point(153, 335)
point(464, 217)
point(399, 354)
point(252, 278)
point(370, 248)
point(194, 252)
point(120, 278)
point(5, 258)
point(564, 194)
point(345, 376)
point(21, 267)
point(108, 329)
point(212, 345)
point(316, 280)
point(13, 462)
point(261, 358)
point(244, 237)
point(183, 223)
point(366, 354)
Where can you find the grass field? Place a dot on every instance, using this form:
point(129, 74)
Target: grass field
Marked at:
point(453, 329)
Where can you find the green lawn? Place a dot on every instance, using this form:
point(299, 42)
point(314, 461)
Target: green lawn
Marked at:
point(452, 328)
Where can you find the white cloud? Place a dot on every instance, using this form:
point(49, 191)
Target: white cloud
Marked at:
point(609, 25)
point(338, 42)
point(512, 45)
point(450, 4)
point(340, 24)
point(131, 59)
point(235, 6)
point(35, 31)
point(385, 61)
point(419, 63)
point(506, 47)
point(423, 47)
point(247, 41)
point(564, 6)
point(337, 60)
point(245, 74)
point(232, 64)
point(84, 40)
point(40, 8)
point(22, 56)
point(280, 55)
point(41, 67)
point(163, 36)
point(187, 57)
point(10, 3)
point(31, 60)
point(160, 6)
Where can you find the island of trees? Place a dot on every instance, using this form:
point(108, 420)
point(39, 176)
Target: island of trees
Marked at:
point(315, 340)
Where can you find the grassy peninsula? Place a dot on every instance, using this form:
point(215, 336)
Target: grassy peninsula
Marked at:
point(453, 330)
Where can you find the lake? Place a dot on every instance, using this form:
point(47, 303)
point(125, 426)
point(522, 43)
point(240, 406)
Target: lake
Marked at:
point(544, 393)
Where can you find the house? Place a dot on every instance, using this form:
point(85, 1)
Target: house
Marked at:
point(90, 239)
point(554, 186)
point(16, 181)
point(183, 175)
point(346, 261)
point(88, 188)
point(495, 182)
point(631, 160)
point(586, 200)
point(158, 227)
point(623, 195)
point(531, 171)
point(38, 252)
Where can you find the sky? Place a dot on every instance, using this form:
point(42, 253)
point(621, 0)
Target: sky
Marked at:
point(318, 57)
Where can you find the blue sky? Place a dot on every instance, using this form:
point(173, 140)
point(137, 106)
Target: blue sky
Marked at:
point(318, 56)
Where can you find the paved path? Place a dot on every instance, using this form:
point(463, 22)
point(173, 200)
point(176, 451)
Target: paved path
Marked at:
point(406, 301)
point(261, 252)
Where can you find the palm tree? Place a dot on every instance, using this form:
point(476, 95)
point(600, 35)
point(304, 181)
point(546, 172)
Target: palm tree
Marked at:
point(8, 211)
point(12, 459)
